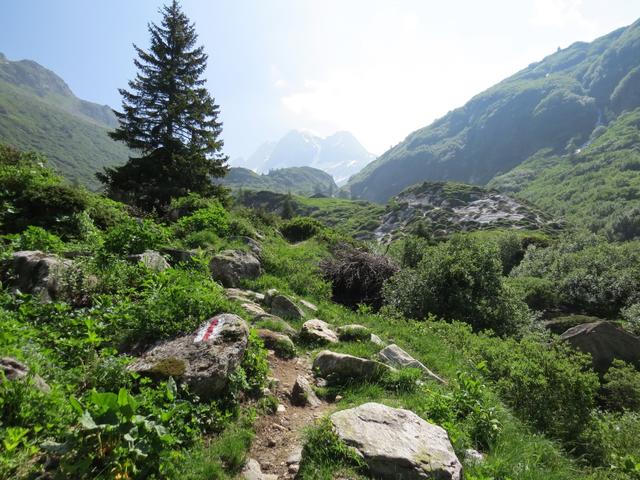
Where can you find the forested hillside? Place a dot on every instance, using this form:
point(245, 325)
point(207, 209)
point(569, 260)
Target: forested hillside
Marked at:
point(305, 181)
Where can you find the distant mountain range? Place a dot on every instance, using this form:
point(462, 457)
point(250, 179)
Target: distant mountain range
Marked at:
point(340, 155)
point(38, 111)
point(305, 181)
point(541, 117)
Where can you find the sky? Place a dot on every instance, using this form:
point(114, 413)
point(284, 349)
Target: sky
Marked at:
point(377, 68)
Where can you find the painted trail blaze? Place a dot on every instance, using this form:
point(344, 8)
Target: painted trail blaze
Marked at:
point(209, 329)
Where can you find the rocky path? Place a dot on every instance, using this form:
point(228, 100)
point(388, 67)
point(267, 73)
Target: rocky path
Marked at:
point(278, 442)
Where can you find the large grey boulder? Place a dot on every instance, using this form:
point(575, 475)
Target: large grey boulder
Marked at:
point(302, 393)
point(394, 356)
point(151, 259)
point(604, 341)
point(36, 273)
point(204, 360)
point(397, 444)
point(337, 366)
point(231, 266)
point(317, 331)
point(14, 370)
point(285, 307)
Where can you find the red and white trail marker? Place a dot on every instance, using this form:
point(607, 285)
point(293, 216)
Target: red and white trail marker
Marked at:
point(209, 330)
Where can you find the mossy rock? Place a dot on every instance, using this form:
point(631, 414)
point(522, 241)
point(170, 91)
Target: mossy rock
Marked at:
point(350, 333)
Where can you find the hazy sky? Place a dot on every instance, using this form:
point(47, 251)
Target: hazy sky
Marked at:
point(379, 69)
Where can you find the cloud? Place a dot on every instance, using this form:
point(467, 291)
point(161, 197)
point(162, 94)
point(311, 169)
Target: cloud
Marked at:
point(561, 13)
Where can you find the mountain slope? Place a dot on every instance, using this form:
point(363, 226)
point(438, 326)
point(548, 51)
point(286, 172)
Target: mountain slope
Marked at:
point(595, 186)
point(553, 104)
point(341, 154)
point(298, 180)
point(39, 112)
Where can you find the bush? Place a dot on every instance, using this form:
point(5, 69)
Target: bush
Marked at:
point(621, 387)
point(212, 218)
point(357, 276)
point(134, 236)
point(537, 293)
point(36, 238)
point(459, 280)
point(301, 228)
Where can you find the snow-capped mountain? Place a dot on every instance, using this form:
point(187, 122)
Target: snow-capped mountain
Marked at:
point(340, 155)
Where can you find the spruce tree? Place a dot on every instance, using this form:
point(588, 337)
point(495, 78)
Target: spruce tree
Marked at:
point(169, 120)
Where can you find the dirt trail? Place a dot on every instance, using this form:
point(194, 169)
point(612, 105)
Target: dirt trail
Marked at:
point(279, 436)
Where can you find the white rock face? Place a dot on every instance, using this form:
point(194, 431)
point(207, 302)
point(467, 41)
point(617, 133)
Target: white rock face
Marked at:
point(397, 444)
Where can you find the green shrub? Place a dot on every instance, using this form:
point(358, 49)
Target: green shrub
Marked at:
point(459, 280)
point(301, 228)
point(537, 293)
point(212, 218)
point(631, 315)
point(36, 238)
point(251, 377)
point(134, 236)
point(621, 387)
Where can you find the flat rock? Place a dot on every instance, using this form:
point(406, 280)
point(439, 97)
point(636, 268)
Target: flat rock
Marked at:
point(302, 393)
point(376, 340)
point(204, 360)
point(151, 259)
point(231, 266)
point(397, 443)
point(396, 357)
point(177, 256)
point(317, 331)
point(283, 306)
point(334, 365)
point(14, 370)
point(604, 341)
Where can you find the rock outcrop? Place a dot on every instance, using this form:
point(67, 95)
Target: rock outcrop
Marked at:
point(604, 341)
point(36, 273)
point(397, 443)
point(338, 366)
point(151, 259)
point(204, 360)
point(394, 356)
point(231, 266)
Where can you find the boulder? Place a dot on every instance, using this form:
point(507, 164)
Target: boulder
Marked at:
point(253, 471)
point(177, 256)
point(271, 322)
point(604, 341)
point(302, 393)
point(151, 259)
point(285, 307)
point(317, 331)
point(253, 309)
point(243, 295)
point(354, 332)
point(204, 360)
point(397, 443)
point(278, 342)
point(231, 266)
point(14, 370)
point(394, 356)
point(36, 273)
point(376, 340)
point(472, 456)
point(270, 295)
point(337, 366)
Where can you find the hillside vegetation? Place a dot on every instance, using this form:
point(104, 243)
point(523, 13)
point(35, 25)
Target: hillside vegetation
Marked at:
point(305, 181)
point(39, 112)
point(553, 104)
point(86, 408)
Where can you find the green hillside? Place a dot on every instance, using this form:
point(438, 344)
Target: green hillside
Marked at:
point(553, 104)
point(39, 112)
point(304, 181)
point(597, 186)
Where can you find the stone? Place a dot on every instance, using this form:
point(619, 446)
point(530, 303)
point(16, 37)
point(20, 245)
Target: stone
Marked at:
point(376, 340)
point(270, 295)
point(604, 341)
point(252, 471)
point(397, 443)
point(281, 408)
point(150, 259)
point(396, 357)
point(335, 366)
point(295, 456)
point(472, 456)
point(36, 273)
point(309, 305)
point(231, 266)
point(302, 393)
point(354, 332)
point(14, 370)
point(177, 256)
point(317, 331)
point(253, 245)
point(271, 322)
point(245, 296)
point(285, 307)
point(278, 342)
point(204, 360)
point(253, 309)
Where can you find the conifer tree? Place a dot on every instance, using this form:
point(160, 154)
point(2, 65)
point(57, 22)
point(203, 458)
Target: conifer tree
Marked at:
point(169, 120)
